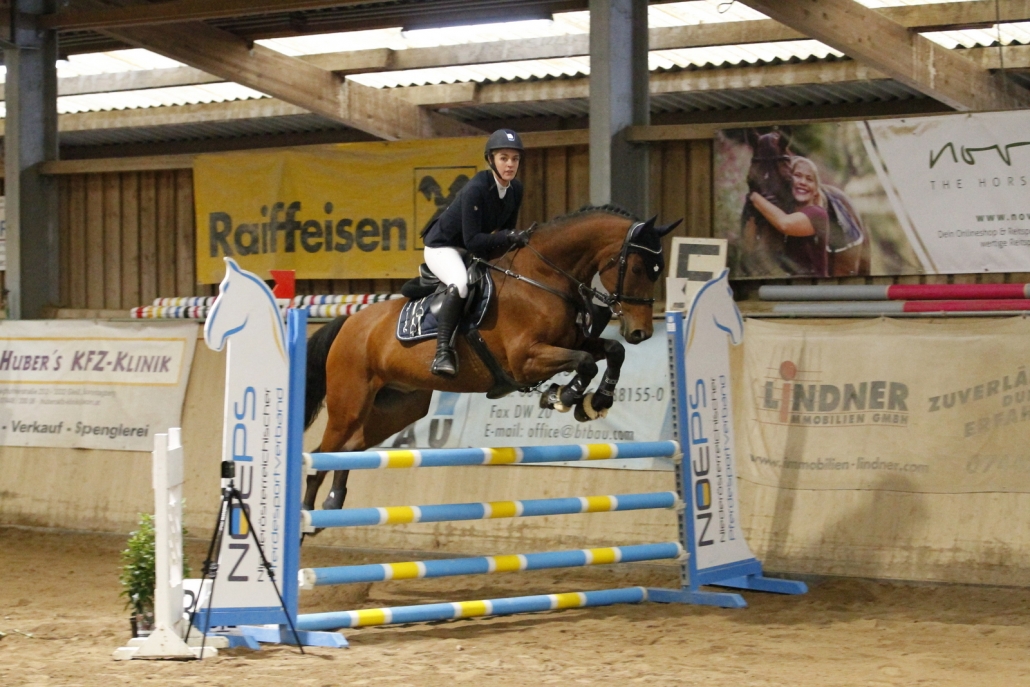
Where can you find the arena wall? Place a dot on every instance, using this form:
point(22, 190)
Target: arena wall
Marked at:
point(967, 538)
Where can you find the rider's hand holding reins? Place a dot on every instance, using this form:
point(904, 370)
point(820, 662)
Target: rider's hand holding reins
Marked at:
point(519, 239)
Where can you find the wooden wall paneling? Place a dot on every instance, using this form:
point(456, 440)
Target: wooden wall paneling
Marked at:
point(655, 161)
point(165, 229)
point(699, 192)
point(992, 278)
point(185, 235)
point(95, 241)
point(130, 241)
point(64, 238)
point(556, 183)
point(579, 177)
point(77, 241)
point(383, 285)
point(532, 173)
point(112, 240)
point(964, 278)
point(148, 237)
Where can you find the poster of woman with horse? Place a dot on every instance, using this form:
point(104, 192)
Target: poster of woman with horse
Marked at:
point(805, 201)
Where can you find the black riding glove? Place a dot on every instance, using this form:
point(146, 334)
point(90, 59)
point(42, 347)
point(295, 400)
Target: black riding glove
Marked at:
point(519, 239)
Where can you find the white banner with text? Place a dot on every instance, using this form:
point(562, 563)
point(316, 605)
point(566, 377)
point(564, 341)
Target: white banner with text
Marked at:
point(73, 384)
point(887, 405)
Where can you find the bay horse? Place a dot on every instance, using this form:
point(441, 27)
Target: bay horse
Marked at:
point(762, 244)
point(374, 385)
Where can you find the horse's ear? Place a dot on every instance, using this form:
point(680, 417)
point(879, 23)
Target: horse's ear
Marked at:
point(784, 142)
point(751, 136)
point(663, 230)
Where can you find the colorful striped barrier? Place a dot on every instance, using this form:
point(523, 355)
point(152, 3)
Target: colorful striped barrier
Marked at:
point(451, 457)
point(470, 609)
point(893, 292)
point(395, 515)
point(488, 565)
point(196, 307)
point(852, 308)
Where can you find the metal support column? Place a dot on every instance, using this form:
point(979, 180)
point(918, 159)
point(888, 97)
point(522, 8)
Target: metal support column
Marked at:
point(30, 138)
point(618, 99)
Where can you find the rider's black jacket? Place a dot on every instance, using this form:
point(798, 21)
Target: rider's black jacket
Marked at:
point(478, 220)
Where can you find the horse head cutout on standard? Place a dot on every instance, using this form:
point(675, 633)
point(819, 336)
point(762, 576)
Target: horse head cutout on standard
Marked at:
point(714, 305)
point(536, 326)
point(245, 301)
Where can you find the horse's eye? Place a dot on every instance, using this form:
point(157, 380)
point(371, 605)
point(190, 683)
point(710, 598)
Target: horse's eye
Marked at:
point(638, 270)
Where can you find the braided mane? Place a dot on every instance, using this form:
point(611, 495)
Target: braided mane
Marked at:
point(609, 209)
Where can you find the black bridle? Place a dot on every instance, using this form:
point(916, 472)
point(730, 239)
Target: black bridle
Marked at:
point(591, 316)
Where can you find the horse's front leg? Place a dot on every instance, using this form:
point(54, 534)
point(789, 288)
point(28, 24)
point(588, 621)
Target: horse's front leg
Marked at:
point(545, 361)
point(597, 403)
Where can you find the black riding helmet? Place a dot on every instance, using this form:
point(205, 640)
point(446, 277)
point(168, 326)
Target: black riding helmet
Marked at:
point(502, 138)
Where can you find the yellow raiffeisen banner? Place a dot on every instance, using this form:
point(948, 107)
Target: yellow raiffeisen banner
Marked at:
point(348, 211)
point(887, 405)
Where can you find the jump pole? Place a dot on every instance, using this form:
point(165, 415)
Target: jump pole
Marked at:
point(893, 292)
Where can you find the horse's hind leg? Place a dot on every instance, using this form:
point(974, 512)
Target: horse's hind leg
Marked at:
point(390, 412)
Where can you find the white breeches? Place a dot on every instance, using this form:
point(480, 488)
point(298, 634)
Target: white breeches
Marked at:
point(447, 264)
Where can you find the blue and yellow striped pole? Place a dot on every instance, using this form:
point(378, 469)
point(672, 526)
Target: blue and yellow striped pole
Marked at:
point(396, 515)
point(470, 609)
point(487, 565)
point(443, 457)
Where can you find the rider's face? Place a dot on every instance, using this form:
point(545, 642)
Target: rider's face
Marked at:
point(506, 160)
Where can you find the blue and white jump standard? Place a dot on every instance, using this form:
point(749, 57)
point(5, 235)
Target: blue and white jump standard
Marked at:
point(705, 558)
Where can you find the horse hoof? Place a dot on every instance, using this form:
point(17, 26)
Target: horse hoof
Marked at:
point(334, 501)
point(586, 412)
point(551, 400)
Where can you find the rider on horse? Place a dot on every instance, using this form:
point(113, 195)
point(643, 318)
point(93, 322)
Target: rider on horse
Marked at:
point(480, 221)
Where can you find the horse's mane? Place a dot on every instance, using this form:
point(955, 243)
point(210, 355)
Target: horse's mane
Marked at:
point(608, 209)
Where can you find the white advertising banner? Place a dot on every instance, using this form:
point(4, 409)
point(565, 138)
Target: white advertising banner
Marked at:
point(932, 407)
point(641, 413)
point(958, 185)
point(70, 384)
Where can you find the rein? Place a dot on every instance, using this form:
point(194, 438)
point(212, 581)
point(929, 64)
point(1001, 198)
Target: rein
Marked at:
point(586, 309)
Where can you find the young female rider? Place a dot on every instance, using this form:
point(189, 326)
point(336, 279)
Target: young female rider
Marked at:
point(805, 230)
point(480, 221)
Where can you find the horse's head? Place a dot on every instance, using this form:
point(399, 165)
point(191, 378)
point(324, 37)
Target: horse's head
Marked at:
point(242, 298)
point(631, 275)
point(769, 173)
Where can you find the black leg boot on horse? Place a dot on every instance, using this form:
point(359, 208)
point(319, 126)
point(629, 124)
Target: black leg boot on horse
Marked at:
point(445, 364)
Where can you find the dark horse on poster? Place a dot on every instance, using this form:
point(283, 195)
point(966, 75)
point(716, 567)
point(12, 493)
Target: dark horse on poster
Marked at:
point(761, 246)
point(543, 319)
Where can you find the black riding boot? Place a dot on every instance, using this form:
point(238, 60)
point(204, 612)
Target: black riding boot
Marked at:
point(445, 363)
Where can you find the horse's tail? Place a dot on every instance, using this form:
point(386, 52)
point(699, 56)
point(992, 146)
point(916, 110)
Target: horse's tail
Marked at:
point(318, 353)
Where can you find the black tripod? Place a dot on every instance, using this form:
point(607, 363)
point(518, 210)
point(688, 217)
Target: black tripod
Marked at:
point(231, 494)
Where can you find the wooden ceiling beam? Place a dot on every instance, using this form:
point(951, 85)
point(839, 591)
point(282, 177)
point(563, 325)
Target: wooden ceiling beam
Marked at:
point(294, 81)
point(80, 16)
point(889, 47)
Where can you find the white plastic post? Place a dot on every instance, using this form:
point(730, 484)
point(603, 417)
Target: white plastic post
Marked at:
point(169, 626)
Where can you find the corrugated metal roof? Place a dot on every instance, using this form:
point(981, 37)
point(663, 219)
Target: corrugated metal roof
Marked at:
point(661, 15)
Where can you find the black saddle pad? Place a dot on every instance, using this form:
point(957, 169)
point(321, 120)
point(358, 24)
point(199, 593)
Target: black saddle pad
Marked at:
point(417, 320)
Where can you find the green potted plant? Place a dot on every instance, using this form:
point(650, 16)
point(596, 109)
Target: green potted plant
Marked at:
point(138, 577)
